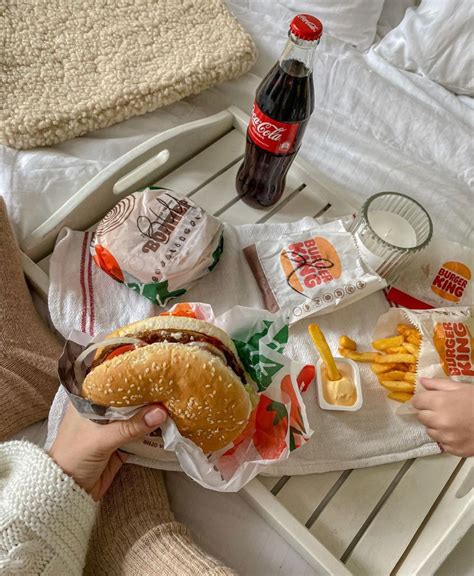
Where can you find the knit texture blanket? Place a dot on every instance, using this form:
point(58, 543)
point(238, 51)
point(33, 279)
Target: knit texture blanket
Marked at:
point(72, 67)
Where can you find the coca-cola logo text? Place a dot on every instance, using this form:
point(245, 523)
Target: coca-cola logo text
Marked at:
point(266, 129)
point(272, 135)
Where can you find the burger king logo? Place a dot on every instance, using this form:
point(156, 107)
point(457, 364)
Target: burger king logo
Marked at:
point(310, 263)
point(451, 281)
point(454, 345)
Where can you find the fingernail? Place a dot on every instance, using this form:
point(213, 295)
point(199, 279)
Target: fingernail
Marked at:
point(154, 417)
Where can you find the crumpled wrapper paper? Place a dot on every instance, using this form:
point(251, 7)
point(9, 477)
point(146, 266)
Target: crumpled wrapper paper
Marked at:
point(278, 425)
point(447, 347)
point(158, 243)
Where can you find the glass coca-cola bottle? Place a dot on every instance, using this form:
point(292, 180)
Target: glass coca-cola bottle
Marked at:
point(283, 104)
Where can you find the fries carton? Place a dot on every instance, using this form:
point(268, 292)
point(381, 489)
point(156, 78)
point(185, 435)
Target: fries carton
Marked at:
point(440, 275)
point(312, 272)
point(447, 343)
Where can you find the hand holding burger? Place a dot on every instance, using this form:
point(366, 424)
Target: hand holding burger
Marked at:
point(188, 365)
point(88, 452)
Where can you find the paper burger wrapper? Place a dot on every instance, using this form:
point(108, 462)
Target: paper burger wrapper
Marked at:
point(278, 424)
point(158, 243)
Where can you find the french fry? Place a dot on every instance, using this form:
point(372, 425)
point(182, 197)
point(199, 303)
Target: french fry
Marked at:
point(400, 396)
point(359, 356)
point(395, 364)
point(401, 366)
point(321, 344)
point(398, 386)
point(346, 342)
point(416, 340)
point(384, 343)
point(394, 358)
point(393, 375)
point(406, 331)
point(396, 350)
point(397, 375)
point(380, 368)
point(403, 328)
point(413, 332)
point(411, 348)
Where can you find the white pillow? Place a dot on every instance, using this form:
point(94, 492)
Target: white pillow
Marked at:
point(393, 12)
point(354, 21)
point(435, 40)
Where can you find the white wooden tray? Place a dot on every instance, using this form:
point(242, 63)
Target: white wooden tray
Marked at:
point(401, 518)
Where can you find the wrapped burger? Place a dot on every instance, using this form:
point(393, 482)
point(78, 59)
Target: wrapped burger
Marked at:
point(158, 243)
point(233, 396)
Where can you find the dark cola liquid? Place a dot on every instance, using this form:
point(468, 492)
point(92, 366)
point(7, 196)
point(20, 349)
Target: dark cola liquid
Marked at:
point(286, 94)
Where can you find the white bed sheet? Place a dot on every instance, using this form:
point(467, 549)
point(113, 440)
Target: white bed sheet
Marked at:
point(374, 128)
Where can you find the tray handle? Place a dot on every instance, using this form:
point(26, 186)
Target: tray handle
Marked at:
point(139, 167)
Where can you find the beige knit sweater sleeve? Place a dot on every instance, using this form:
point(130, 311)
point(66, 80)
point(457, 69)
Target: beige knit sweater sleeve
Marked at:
point(45, 517)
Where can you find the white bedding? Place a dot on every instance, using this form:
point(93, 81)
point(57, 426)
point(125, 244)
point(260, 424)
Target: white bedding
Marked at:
point(374, 128)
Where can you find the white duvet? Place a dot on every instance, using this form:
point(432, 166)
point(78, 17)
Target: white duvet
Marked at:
point(374, 128)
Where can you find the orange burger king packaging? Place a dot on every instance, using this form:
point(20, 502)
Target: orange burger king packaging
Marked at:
point(441, 275)
point(311, 272)
point(447, 342)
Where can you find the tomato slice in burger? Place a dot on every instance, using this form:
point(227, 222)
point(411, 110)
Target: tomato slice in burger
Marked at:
point(121, 350)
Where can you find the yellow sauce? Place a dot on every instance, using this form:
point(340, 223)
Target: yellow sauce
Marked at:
point(339, 392)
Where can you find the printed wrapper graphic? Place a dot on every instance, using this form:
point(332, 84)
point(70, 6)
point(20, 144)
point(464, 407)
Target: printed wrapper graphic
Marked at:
point(158, 243)
point(278, 424)
point(447, 347)
point(441, 275)
point(310, 273)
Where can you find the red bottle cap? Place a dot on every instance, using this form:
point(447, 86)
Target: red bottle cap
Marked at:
point(306, 27)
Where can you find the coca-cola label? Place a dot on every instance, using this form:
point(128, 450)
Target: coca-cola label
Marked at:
point(271, 135)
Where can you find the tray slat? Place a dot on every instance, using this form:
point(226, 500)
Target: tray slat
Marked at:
point(385, 540)
point(269, 481)
point(288, 526)
point(204, 166)
point(242, 213)
point(306, 203)
point(451, 519)
point(350, 507)
point(303, 494)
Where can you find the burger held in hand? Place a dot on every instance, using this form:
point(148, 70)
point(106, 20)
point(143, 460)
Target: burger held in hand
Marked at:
point(188, 365)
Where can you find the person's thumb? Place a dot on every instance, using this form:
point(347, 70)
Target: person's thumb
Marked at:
point(118, 433)
point(439, 384)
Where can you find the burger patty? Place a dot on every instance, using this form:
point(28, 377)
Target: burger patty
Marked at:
point(176, 337)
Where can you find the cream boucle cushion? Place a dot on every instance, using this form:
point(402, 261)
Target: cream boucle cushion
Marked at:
point(72, 66)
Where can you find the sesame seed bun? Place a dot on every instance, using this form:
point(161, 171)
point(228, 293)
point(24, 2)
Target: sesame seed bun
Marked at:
point(205, 397)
